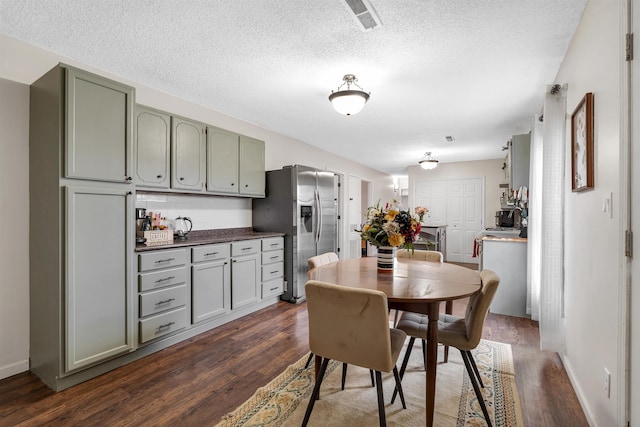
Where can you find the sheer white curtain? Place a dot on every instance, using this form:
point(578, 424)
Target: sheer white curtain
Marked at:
point(546, 223)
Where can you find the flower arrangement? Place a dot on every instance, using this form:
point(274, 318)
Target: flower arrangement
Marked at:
point(421, 211)
point(390, 226)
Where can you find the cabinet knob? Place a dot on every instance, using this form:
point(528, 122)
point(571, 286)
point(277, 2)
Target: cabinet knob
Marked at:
point(181, 178)
point(128, 178)
point(158, 176)
point(233, 183)
point(246, 186)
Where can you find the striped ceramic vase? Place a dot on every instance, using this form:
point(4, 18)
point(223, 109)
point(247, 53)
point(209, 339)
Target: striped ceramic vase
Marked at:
point(386, 255)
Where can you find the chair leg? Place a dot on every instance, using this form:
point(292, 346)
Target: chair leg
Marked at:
point(399, 386)
point(395, 318)
point(306, 365)
point(316, 391)
point(476, 388)
point(475, 368)
point(381, 414)
point(344, 374)
point(373, 383)
point(403, 367)
point(424, 354)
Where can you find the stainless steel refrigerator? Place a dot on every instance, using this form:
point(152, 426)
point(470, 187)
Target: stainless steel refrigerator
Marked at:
point(301, 202)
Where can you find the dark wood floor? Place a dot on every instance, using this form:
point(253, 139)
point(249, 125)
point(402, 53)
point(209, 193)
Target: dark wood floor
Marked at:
point(197, 381)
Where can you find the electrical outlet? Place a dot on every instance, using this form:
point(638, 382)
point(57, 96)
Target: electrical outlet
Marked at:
point(607, 383)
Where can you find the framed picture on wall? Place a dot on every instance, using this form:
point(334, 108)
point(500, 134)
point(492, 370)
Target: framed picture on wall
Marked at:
point(582, 145)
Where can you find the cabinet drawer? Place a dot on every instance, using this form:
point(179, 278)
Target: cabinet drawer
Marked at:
point(162, 324)
point(210, 252)
point(272, 288)
point(245, 247)
point(162, 279)
point(272, 243)
point(162, 300)
point(161, 259)
point(272, 271)
point(273, 256)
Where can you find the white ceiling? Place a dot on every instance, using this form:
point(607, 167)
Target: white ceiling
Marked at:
point(475, 70)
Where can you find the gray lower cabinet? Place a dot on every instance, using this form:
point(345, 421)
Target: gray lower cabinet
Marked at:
point(163, 286)
point(272, 266)
point(188, 154)
point(98, 118)
point(245, 273)
point(152, 147)
point(210, 281)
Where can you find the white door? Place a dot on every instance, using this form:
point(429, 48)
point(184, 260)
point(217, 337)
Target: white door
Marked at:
point(356, 217)
point(433, 196)
point(472, 197)
point(634, 309)
point(455, 221)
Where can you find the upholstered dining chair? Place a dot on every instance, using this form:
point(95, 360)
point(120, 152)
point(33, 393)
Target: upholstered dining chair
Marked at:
point(314, 262)
point(351, 325)
point(463, 333)
point(433, 256)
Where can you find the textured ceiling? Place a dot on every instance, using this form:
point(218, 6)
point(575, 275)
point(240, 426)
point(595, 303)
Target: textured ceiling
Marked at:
point(475, 70)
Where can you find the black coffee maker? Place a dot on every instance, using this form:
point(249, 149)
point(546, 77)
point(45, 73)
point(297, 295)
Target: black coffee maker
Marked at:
point(143, 223)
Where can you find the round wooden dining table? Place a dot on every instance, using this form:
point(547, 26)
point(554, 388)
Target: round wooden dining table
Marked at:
point(413, 285)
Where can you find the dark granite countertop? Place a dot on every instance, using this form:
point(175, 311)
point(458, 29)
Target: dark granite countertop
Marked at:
point(206, 237)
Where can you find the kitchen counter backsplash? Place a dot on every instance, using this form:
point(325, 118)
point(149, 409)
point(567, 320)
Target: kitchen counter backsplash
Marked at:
point(207, 237)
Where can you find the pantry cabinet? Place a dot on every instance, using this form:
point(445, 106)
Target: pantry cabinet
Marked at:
point(98, 116)
point(152, 147)
point(81, 230)
point(188, 154)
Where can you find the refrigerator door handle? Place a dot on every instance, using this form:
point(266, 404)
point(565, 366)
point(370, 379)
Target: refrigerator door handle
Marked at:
point(318, 215)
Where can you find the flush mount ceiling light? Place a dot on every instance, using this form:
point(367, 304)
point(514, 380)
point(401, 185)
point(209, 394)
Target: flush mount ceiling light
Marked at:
point(348, 101)
point(428, 162)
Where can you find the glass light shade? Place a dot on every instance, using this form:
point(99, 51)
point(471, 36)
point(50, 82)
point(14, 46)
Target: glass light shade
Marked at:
point(348, 102)
point(428, 164)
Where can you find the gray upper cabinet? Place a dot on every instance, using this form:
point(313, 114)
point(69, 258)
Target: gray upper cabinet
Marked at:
point(98, 301)
point(235, 164)
point(252, 176)
point(188, 154)
point(152, 147)
point(519, 160)
point(222, 161)
point(99, 113)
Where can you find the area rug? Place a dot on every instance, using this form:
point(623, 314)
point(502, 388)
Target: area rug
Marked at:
point(283, 401)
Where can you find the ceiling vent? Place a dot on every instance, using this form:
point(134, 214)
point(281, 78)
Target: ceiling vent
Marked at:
point(364, 13)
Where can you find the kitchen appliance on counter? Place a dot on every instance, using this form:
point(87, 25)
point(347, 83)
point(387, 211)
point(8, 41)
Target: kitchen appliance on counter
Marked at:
point(181, 228)
point(143, 223)
point(509, 217)
point(301, 202)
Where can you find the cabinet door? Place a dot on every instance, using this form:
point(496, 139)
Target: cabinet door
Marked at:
point(188, 154)
point(252, 175)
point(245, 273)
point(222, 161)
point(211, 291)
point(153, 132)
point(99, 117)
point(98, 294)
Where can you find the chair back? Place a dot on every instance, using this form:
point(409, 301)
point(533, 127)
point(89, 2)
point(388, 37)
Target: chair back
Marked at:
point(322, 259)
point(350, 325)
point(478, 306)
point(433, 256)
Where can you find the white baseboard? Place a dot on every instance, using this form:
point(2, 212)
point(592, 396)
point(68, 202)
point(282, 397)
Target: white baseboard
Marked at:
point(14, 368)
point(579, 393)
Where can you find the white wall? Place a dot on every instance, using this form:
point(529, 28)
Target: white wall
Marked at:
point(491, 170)
point(23, 63)
point(14, 217)
point(593, 242)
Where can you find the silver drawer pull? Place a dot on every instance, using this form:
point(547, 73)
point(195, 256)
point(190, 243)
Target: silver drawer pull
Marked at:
point(247, 249)
point(166, 301)
point(275, 244)
point(165, 279)
point(273, 289)
point(165, 326)
point(211, 253)
point(165, 260)
point(274, 257)
point(274, 272)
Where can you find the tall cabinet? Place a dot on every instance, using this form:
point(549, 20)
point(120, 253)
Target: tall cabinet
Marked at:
point(81, 223)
